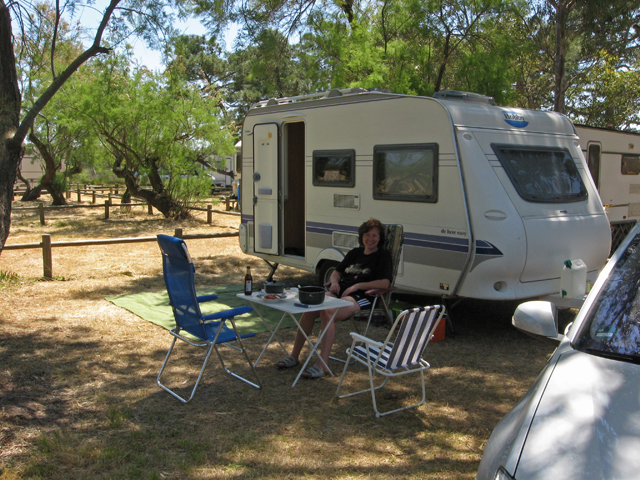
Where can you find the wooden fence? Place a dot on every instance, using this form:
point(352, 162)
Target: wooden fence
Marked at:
point(46, 245)
point(41, 208)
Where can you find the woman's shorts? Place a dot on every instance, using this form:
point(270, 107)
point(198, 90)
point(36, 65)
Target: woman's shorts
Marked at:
point(363, 300)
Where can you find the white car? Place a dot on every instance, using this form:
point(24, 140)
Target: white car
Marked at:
point(581, 418)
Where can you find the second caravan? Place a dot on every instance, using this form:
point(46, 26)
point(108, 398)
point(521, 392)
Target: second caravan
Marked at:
point(613, 158)
point(493, 200)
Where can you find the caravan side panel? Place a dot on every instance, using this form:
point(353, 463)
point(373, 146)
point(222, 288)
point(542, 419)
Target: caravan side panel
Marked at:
point(437, 237)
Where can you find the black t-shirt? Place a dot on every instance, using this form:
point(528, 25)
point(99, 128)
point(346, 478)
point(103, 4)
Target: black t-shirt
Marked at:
point(356, 267)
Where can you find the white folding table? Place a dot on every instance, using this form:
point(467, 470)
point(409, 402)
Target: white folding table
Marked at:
point(287, 307)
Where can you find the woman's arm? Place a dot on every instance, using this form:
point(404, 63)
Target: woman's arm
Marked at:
point(382, 284)
point(335, 282)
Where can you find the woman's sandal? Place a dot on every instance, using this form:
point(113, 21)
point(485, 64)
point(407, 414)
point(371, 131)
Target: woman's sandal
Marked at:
point(287, 362)
point(314, 372)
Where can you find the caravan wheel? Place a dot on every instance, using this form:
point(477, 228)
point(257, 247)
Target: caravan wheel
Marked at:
point(326, 269)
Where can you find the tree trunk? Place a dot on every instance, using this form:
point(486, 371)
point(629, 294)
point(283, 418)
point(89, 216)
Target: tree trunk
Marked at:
point(562, 14)
point(50, 169)
point(159, 198)
point(10, 100)
point(32, 194)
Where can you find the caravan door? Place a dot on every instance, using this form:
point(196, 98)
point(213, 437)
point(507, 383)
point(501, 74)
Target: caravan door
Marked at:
point(266, 187)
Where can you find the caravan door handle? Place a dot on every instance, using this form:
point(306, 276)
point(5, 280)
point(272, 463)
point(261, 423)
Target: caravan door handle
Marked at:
point(255, 200)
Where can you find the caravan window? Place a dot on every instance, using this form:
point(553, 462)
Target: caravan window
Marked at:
point(405, 172)
point(335, 168)
point(630, 165)
point(543, 175)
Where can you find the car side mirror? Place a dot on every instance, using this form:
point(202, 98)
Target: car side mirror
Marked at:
point(539, 320)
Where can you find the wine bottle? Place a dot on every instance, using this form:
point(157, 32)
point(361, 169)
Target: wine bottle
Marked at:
point(248, 280)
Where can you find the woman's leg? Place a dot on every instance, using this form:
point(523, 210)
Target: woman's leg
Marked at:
point(307, 320)
point(330, 335)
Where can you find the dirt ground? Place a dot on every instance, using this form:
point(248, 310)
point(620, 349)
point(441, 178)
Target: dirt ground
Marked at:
point(78, 392)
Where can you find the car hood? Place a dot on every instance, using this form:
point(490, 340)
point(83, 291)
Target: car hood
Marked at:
point(587, 424)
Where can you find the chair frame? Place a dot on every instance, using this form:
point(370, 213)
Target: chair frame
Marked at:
point(381, 357)
point(215, 322)
point(384, 294)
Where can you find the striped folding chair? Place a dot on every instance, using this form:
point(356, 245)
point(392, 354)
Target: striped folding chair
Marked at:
point(401, 356)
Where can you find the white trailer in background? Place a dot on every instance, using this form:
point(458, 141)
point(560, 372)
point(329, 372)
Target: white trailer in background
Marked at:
point(613, 158)
point(493, 200)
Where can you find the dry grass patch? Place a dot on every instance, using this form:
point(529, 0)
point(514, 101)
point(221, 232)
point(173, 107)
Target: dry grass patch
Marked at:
point(78, 397)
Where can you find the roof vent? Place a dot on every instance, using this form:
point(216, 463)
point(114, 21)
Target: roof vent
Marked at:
point(465, 96)
point(272, 102)
point(334, 93)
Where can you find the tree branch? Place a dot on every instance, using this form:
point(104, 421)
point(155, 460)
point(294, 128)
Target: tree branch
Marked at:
point(57, 83)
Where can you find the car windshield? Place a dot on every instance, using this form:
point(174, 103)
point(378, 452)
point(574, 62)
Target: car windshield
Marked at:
point(611, 327)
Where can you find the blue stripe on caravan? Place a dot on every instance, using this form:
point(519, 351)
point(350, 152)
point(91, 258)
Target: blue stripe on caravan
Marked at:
point(439, 242)
point(329, 228)
point(246, 218)
point(485, 248)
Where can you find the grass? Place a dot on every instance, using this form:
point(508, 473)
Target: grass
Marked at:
point(79, 400)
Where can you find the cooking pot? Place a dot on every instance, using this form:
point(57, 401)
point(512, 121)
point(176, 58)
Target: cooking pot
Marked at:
point(311, 295)
point(273, 287)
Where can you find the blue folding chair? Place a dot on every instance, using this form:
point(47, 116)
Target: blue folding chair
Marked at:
point(209, 330)
point(399, 357)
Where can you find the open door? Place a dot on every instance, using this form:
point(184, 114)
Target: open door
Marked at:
point(294, 190)
point(266, 188)
point(593, 160)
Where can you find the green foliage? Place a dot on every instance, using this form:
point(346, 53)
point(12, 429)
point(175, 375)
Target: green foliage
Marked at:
point(9, 279)
point(60, 182)
point(149, 124)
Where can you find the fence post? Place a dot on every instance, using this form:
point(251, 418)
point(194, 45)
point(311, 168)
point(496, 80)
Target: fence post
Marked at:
point(107, 204)
point(41, 212)
point(149, 208)
point(47, 261)
point(79, 196)
point(93, 198)
point(209, 214)
point(178, 233)
point(67, 194)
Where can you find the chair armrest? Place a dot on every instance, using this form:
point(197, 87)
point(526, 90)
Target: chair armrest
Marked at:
point(227, 313)
point(206, 298)
point(360, 338)
point(378, 292)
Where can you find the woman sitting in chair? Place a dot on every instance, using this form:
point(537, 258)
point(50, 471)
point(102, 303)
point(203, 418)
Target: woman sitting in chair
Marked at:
point(364, 268)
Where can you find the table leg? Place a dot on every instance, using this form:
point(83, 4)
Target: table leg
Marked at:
point(273, 333)
point(314, 347)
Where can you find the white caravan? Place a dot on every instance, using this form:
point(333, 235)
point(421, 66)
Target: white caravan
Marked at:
point(613, 158)
point(493, 200)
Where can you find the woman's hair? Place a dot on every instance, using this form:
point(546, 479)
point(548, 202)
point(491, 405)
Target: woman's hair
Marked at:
point(369, 225)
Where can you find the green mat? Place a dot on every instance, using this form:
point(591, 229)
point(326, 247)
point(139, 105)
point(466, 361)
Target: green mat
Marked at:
point(154, 307)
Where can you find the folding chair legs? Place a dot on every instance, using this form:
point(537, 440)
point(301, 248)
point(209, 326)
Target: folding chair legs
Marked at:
point(244, 352)
point(211, 345)
point(372, 388)
point(193, 392)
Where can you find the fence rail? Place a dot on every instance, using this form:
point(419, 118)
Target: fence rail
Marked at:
point(46, 244)
point(108, 205)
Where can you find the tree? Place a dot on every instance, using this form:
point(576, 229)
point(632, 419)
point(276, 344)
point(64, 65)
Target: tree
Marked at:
point(36, 69)
point(597, 32)
point(144, 17)
point(151, 124)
